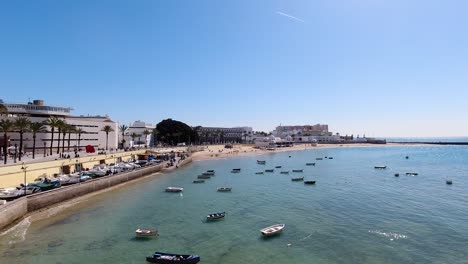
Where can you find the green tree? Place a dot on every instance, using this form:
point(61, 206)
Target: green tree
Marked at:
point(79, 132)
point(22, 125)
point(65, 129)
point(155, 136)
point(173, 132)
point(3, 109)
point(133, 136)
point(60, 126)
point(5, 127)
point(53, 122)
point(146, 133)
point(107, 129)
point(36, 127)
point(71, 129)
point(122, 129)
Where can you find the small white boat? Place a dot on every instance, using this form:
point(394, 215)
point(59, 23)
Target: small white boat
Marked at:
point(146, 232)
point(174, 189)
point(224, 189)
point(272, 230)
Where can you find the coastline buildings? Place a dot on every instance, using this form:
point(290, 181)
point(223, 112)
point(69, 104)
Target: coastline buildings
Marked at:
point(135, 135)
point(307, 134)
point(214, 135)
point(37, 111)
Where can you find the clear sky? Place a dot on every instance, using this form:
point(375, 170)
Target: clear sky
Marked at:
point(383, 68)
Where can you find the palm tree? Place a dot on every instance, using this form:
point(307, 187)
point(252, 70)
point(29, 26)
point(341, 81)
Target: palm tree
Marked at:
point(107, 129)
point(61, 125)
point(146, 133)
point(6, 126)
point(122, 129)
point(64, 134)
point(22, 125)
point(139, 140)
point(71, 129)
point(36, 127)
point(52, 122)
point(155, 136)
point(133, 136)
point(79, 131)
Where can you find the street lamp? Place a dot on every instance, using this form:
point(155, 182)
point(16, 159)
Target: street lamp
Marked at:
point(24, 169)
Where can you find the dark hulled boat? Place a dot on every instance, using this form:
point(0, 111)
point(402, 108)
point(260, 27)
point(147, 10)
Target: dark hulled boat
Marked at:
point(167, 258)
point(309, 182)
point(215, 216)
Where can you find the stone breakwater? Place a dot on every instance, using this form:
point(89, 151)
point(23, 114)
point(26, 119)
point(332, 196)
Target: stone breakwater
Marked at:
point(15, 210)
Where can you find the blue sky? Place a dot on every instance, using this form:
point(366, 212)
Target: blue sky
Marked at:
point(383, 68)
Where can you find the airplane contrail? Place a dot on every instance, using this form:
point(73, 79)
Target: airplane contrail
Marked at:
point(292, 17)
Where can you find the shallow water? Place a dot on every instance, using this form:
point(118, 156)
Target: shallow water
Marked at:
point(354, 214)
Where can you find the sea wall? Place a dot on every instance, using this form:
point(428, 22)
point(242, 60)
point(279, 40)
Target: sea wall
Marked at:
point(43, 199)
point(13, 174)
point(12, 211)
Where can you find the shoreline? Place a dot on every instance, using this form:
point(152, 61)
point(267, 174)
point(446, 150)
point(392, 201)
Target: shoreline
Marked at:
point(219, 152)
point(212, 152)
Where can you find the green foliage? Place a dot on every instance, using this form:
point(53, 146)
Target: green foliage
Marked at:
point(173, 132)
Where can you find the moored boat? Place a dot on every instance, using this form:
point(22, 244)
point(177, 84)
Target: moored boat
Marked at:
point(140, 232)
point(174, 189)
point(319, 158)
point(167, 258)
point(449, 182)
point(309, 182)
point(224, 189)
point(380, 167)
point(269, 170)
point(208, 173)
point(310, 164)
point(204, 177)
point(412, 173)
point(235, 171)
point(397, 174)
point(260, 172)
point(297, 179)
point(297, 170)
point(272, 230)
point(278, 167)
point(284, 172)
point(215, 216)
point(198, 181)
point(261, 162)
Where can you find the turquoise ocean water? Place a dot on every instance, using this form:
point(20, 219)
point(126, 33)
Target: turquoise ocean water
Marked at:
point(354, 214)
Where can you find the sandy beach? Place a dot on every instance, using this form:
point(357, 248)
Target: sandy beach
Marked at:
point(220, 152)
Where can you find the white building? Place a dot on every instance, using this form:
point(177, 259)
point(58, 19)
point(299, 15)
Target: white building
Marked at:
point(307, 134)
point(139, 139)
point(37, 111)
point(224, 134)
